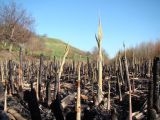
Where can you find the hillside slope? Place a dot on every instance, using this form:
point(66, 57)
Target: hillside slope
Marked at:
point(50, 47)
point(56, 47)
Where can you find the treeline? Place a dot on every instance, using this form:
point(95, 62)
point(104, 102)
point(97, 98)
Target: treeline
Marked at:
point(143, 51)
point(93, 55)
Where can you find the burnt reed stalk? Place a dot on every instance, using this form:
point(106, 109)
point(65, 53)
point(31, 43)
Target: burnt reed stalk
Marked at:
point(10, 72)
point(20, 70)
point(31, 99)
point(156, 80)
point(119, 87)
point(129, 85)
point(120, 69)
point(40, 77)
point(48, 91)
point(150, 98)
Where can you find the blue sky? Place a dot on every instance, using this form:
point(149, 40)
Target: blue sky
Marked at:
point(76, 21)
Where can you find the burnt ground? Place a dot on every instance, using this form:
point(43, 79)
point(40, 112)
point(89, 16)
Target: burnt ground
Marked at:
point(89, 109)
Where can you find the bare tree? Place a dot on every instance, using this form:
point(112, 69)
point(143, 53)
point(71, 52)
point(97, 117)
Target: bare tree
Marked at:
point(15, 24)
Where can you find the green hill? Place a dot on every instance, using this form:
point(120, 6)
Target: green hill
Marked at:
point(56, 47)
point(51, 47)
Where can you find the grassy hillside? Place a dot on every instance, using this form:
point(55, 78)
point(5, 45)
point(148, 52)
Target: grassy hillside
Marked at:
point(51, 47)
point(56, 47)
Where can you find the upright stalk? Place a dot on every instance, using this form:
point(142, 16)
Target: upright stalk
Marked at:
point(129, 85)
point(61, 67)
point(156, 80)
point(20, 69)
point(120, 68)
point(119, 87)
point(109, 87)
point(99, 41)
point(78, 95)
point(2, 73)
point(39, 80)
point(5, 99)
